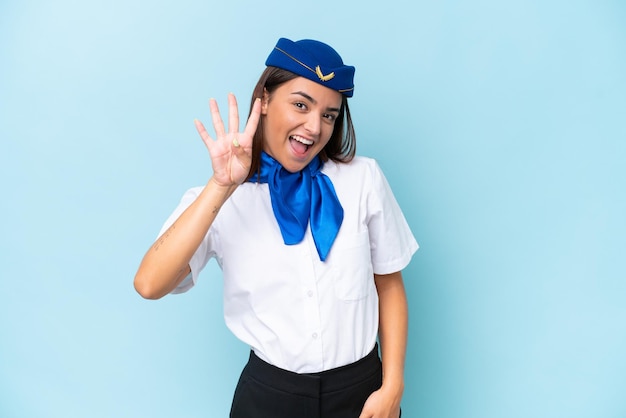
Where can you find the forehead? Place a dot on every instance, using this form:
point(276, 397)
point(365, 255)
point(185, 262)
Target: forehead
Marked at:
point(322, 95)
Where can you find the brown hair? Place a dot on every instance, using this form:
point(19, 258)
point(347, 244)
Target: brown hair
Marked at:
point(342, 144)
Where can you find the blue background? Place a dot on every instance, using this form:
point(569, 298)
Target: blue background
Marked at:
point(500, 125)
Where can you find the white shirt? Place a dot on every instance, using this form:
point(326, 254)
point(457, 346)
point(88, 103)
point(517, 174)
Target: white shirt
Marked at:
point(295, 311)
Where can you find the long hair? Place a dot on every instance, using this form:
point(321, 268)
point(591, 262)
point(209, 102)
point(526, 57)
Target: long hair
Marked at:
point(342, 144)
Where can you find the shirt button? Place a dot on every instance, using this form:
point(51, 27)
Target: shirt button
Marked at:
point(314, 335)
point(310, 293)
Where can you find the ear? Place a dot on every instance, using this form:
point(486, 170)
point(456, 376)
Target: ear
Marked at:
point(265, 100)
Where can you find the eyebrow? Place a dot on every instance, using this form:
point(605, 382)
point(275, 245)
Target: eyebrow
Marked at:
point(312, 100)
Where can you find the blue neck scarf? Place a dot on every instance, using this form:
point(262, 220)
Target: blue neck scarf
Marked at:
point(300, 198)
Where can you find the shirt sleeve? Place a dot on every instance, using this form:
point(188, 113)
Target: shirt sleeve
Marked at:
point(205, 250)
point(392, 243)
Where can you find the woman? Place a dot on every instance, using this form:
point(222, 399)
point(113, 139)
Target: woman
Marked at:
point(311, 243)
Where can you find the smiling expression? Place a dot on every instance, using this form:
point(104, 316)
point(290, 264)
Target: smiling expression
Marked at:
point(299, 121)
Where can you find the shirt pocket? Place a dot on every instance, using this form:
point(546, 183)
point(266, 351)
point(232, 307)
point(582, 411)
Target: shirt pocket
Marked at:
point(352, 271)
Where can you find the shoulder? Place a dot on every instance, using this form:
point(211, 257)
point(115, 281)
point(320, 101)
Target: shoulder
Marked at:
point(190, 195)
point(361, 170)
point(194, 191)
point(358, 166)
point(360, 177)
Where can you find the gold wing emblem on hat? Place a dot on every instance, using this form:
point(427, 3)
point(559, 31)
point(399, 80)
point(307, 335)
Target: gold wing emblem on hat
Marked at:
point(323, 77)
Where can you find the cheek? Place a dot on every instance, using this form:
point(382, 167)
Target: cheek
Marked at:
point(271, 124)
point(327, 132)
point(279, 120)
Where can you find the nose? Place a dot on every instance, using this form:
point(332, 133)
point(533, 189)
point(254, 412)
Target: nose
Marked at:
point(313, 124)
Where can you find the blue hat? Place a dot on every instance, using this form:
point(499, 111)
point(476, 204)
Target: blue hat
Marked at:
point(313, 60)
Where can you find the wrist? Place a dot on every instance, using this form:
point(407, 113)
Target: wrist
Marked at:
point(222, 189)
point(393, 386)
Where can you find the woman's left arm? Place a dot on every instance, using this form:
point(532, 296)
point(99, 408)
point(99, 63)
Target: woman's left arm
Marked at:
point(393, 329)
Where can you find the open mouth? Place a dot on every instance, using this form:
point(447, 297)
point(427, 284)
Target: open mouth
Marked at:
point(299, 144)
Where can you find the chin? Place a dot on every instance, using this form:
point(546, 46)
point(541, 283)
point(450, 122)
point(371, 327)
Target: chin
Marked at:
point(294, 164)
point(294, 167)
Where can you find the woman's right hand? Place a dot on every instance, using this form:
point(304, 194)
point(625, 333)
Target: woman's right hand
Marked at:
point(231, 152)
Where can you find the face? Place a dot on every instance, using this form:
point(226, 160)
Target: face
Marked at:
point(299, 120)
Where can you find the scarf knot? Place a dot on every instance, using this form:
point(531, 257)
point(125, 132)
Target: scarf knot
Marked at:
point(298, 199)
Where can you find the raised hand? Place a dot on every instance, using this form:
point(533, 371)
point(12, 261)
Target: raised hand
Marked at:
point(231, 152)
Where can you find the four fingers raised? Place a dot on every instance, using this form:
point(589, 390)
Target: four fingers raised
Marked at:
point(233, 120)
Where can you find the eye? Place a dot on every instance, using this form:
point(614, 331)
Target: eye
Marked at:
point(329, 116)
point(300, 105)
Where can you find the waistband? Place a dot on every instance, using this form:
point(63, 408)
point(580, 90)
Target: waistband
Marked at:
point(313, 384)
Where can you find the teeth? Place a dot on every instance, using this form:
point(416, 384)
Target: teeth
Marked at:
point(302, 140)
